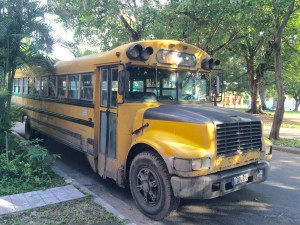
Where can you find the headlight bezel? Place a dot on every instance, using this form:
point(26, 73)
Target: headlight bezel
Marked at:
point(189, 165)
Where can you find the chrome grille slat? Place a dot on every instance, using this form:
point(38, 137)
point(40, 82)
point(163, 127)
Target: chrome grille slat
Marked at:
point(233, 138)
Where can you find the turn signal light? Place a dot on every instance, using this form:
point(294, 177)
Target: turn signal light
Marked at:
point(137, 52)
point(146, 52)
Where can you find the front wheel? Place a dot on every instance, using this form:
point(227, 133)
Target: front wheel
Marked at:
point(150, 186)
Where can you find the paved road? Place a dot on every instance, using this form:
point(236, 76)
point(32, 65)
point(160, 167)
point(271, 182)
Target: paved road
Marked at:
point(277, 201)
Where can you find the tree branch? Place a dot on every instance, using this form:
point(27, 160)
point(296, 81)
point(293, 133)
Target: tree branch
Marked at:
point(231, 39)
point(133, 34)
point(282, 25)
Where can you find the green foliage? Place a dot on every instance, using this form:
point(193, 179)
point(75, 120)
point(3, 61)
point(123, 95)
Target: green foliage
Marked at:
point(7, 117)
point(25, 166)
point(24, 41)
point(107, 24)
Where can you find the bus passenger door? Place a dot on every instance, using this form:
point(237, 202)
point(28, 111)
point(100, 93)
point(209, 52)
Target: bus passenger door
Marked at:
point(108, 122)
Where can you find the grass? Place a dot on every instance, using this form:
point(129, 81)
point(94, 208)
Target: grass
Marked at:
point(287, 142)
point(291, 119)
point(76, 212)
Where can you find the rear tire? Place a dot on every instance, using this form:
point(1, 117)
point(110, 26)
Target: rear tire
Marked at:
point(29, 132)
point(150, 186)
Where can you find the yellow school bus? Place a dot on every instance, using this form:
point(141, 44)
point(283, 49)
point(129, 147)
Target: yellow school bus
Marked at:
point(143, 116)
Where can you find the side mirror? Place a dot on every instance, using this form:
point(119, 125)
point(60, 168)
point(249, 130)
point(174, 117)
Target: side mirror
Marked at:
point(217, 85)
point(123, 82)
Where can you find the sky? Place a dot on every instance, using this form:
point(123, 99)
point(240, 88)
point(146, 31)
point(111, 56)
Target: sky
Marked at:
point(59, 52)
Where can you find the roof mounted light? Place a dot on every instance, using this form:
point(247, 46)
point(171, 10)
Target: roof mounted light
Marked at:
point(166, 56)
point(209, 63)
point(146, 52)
point(134, 51)
point(137, 52)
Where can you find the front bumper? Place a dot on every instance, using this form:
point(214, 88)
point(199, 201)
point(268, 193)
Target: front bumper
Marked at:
point(218, 184)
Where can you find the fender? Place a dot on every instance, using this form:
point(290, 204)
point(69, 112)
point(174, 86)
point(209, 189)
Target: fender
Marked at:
point(170, 146)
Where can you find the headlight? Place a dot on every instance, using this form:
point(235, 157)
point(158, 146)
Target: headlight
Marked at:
point(165, 56)
point(268, 146)
point(188, 165)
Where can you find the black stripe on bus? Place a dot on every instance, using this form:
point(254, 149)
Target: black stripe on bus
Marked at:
point(60, 116)
point(90, 141)
point(62, 130)
point(67, 101)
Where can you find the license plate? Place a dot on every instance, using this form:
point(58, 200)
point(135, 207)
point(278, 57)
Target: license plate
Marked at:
point(239, 179)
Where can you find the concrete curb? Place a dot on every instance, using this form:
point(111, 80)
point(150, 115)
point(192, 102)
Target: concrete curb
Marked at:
point(286, 149)
point(96, 199)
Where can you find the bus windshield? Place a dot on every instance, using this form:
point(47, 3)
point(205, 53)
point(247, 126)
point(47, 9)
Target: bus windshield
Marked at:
point(150, 84)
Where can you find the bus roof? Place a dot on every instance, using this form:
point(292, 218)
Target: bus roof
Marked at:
point(117, 55)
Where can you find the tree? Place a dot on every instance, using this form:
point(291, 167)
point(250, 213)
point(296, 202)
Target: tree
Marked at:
point(212, 30)
point(291, 59)
point(107, 24)
point(24, 40)
point(242, 27)
point(292, 88)
point(291, 74)
point(280, 22)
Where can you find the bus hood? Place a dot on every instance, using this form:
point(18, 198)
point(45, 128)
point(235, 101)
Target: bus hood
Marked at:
point(197, 114)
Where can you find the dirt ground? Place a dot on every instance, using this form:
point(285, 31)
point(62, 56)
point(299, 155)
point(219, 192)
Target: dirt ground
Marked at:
point(290, 118)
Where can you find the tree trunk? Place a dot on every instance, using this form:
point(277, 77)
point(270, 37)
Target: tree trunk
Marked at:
point(262, 94)
point(279, 27)
point(260, 80)
point(134, 34)
point(278, 116)
point(297, 104)
point(252, 83)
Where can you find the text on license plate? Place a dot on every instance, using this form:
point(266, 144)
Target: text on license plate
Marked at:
point(239, 179)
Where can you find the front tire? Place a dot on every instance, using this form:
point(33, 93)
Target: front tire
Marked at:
point(150, 186)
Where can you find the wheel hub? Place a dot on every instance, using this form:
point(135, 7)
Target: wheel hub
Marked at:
point(147, 186)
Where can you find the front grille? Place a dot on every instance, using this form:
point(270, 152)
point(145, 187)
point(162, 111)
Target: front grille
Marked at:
point(234, 138)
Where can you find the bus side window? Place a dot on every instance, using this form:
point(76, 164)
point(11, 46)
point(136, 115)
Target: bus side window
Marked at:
point(20, 85)
point(52, 86)
point(15, 85)
point(61, 86)
point(114, 88)
point(31, 86)
point(25, 83)
point(104, 84)
point(86, 90)
point(44, 86)
point(73, 83)
point(37, 84)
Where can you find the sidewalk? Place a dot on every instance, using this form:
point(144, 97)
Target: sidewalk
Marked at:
point(33, 199)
